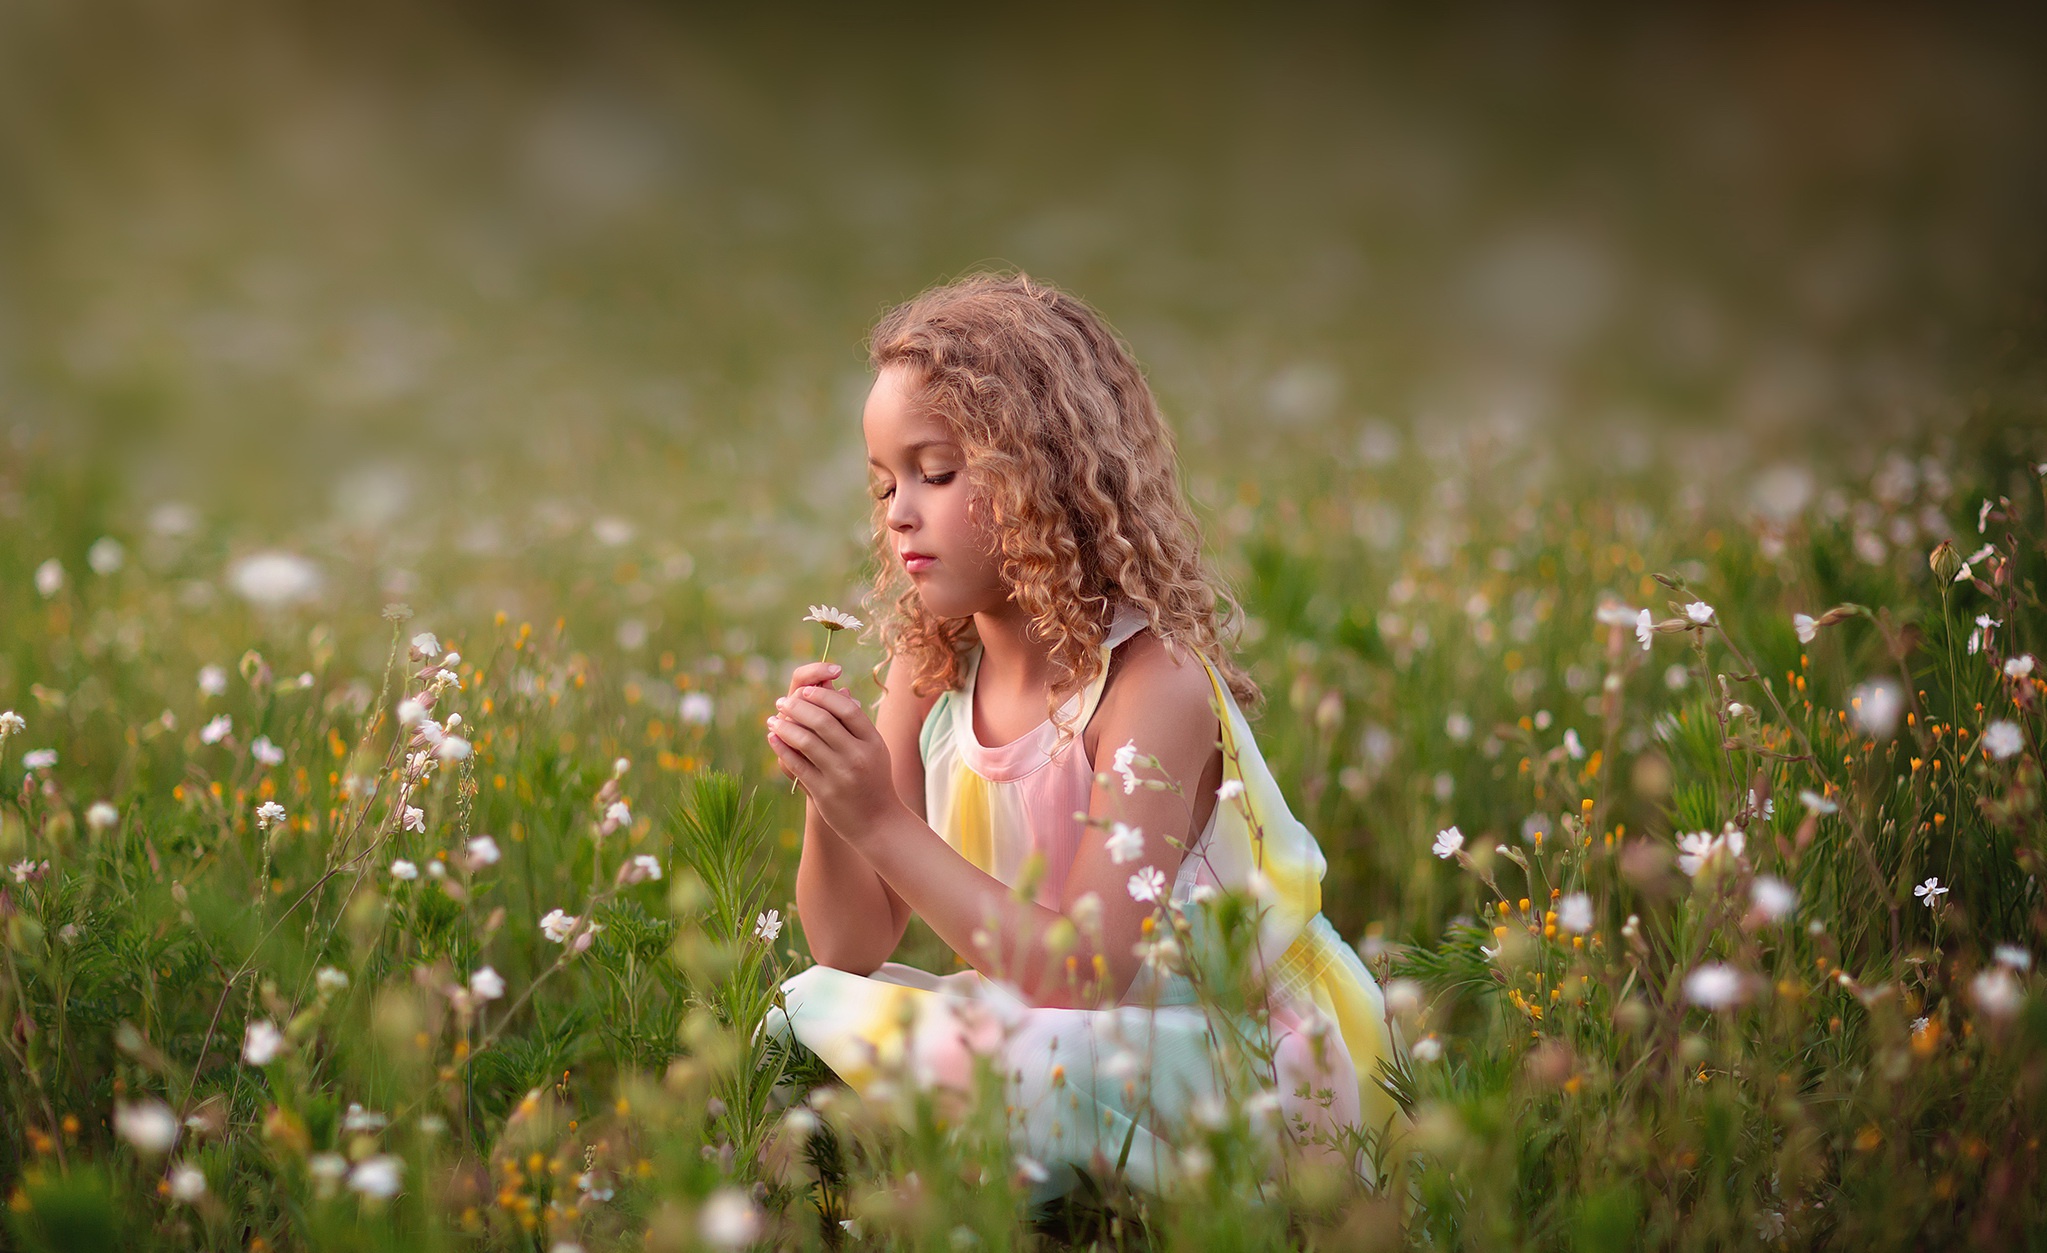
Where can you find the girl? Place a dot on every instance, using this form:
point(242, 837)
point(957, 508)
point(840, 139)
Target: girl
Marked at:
point(1044, 608)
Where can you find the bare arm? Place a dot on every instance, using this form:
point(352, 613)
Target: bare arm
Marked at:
point(851, 917)
point(1160, 703)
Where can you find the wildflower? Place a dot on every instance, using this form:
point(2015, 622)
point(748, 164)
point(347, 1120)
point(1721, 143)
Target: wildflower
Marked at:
point(11, 723)
point(1614, 614)
point(212, 681)
point(425, 647)
point(187, 1183)
point(2012, 956)
point(272, 580)
point(329, 980)
point(1458, 726)
point(101, 815)
point(1715, 985)
point(1774, 899)
point(1983, 517)
point(1125, 757)
point(1817, 803)
point(39, 759)
point(595, 1187)
point(1427, 1049)
point(1574, 913)
point(618, 814)
point(148, 1125)
point(1232, 789)
point(413, 819)
point(1930, 891)
point(729, 1219)
point(2019, 667)
point(404, 870)
point(268, 815)
point(696, 709)
point(1146, 884)
point(1807, 627)
point(557, 925)
point(1126, 844)
point(358, 1120)
point(640, 869)
point(1981, 635)
point(833, 619)
point(1645, 626)
point(483, 851)
point(1702, 849)
point(326, 1170)
point(767, 926)
point(262, 1043)
point(1875, 706)
point(452, 748)
point(1573, 746)
point(266, 752)
point(377, 1176)
point(437, 869)
point(411, 711)
point(217, 730)
point(1086, 912)
point(1031, 1170)
point(2002, 739)
point(27, 869)
point(1700, 612)
point(50, 578)
point(1996, 992)
point(486, 984)
point(1448, 841)
point(1160, 952)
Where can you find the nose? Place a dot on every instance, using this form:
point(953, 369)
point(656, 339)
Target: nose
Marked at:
point(901, 516)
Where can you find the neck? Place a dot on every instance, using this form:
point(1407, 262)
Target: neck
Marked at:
point(1011, 656)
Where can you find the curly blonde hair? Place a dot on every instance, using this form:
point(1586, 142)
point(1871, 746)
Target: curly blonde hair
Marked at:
point(1077, 470)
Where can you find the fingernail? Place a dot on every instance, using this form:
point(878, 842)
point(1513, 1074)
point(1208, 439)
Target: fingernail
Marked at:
point(836, 671)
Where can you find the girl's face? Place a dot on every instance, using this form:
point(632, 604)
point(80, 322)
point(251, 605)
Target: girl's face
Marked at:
point(918, 472)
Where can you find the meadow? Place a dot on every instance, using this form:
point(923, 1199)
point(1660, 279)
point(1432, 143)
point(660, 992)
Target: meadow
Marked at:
point(413, 490)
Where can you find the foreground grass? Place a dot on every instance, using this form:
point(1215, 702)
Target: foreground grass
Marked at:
point(1737, 946)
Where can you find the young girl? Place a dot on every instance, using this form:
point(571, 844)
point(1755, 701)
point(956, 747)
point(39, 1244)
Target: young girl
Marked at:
point(1058, 757)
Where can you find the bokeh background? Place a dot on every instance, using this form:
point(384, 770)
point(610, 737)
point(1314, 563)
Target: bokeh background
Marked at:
point(557, 311)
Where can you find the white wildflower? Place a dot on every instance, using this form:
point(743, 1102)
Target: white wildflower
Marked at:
point(11, 723)
point(2011, 955)
point(1774, 899)
point(767, 926)
point(1458, 726)
point(452, 748)
point(1614, 614)
point(1126, 843)
point(1232, 789)
point(378, 1177)
point(358, 1121)
point(2003, 740)
point(619, 814)
point(1645, 627)
point(413, 819)
point(148, 1125)
point(271, 580)
point(101, 815)
point(832, 619)
point(404, 870)
point(642, 868)
point(696, 709)
point(329, 979)
point(217, 730)
point(269, 814)
point(262, 1043)
point(1715, 985)
point(1996, 992)
point(1448, 841)
point(1700, 612)
point(483, 851)
point(50, 578)
point(1806, 625)
point(411, 711)
point(425, 646)
point(1816, 803)
point(1122, 763)
point(1427, 1049)
point(1573, 746)
point(2019, 667)
point(1574, 913)
point(1875, 706)
point(187, 1183)
point(266, 752)
point(1930, 891)
point(557, 925)
point(1147, 884)
point(212, 681)
point(729, 1219)
point(39, 759)
point(486, 984)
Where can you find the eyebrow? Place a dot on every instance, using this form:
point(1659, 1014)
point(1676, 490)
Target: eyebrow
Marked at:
point(918, 447)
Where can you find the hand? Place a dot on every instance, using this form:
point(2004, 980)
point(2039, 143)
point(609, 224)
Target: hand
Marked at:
point(825, 740)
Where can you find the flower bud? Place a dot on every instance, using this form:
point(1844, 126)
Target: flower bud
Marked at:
point(1944, 561)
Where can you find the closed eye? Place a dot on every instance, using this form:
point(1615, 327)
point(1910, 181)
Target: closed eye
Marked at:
point(934, 480)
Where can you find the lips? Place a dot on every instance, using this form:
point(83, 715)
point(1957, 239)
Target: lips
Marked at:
point(916, 563)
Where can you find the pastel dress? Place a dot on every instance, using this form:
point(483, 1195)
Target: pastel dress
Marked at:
point(1132, 1082)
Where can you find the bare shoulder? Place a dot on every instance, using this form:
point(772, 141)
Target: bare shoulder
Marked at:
point(1164, 691)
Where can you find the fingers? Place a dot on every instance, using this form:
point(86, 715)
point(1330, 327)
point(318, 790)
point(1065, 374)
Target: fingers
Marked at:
point(799, 714)
point(814, 674)
point(794, 764)
point(842, 706)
